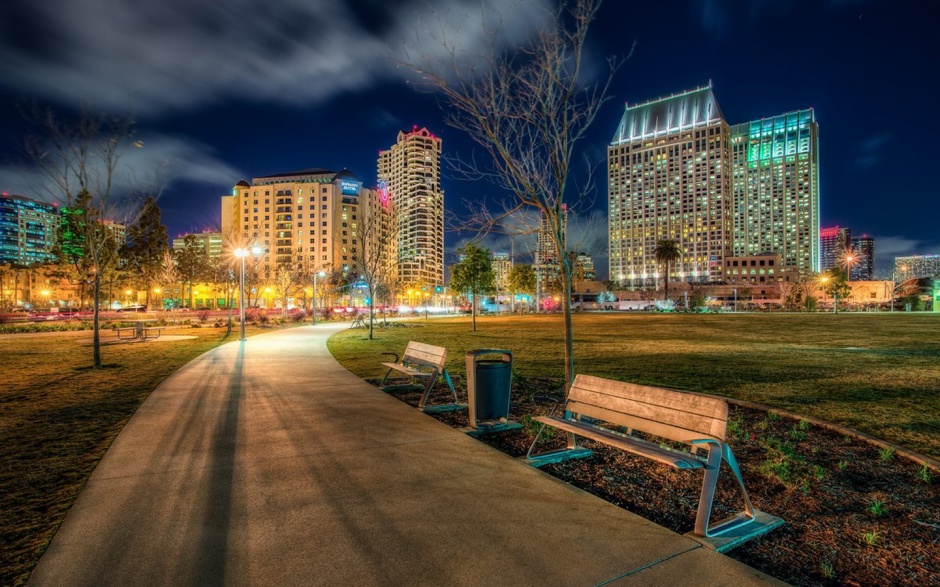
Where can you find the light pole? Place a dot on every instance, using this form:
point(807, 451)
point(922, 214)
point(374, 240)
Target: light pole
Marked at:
point(315, 275)
point(241, 254)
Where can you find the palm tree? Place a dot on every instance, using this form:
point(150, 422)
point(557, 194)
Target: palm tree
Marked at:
point(666, 252)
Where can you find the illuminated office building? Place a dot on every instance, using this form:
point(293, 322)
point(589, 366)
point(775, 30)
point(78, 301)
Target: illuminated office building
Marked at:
point(775, 190)
point(916, 266)
point(547, 273)
point(864, 267)
point(309, 216)
point(833, 243)
point(410, 171)
point(210, 241)
point(677, 170)
point(28, 231)
point(668, 178)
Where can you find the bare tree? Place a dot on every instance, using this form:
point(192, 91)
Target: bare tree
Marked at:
point(376, 258)
point(289, 278)
point(79, 160)
point(527, 110)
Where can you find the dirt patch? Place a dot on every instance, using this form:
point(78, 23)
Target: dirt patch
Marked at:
point(856, 513)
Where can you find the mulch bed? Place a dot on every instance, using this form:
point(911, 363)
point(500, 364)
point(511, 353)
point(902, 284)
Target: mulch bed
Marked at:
point(855, 513)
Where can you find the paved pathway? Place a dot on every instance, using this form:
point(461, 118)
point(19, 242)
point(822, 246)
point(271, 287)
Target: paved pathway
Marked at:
point(266, 463)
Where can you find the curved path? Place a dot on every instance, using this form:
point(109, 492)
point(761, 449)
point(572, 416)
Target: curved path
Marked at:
point(266, 463)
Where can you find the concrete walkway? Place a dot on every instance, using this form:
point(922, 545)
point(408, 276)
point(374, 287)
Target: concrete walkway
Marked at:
point(266, 463)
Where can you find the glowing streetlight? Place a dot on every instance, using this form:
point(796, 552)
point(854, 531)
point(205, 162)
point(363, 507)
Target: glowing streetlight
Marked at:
point(241, 254)
point(315, 275)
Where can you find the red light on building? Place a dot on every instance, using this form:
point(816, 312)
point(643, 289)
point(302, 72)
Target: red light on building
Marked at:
point(828, 232)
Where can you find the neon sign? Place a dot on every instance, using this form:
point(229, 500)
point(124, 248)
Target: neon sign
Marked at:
point(383, 193)
point(350, 188)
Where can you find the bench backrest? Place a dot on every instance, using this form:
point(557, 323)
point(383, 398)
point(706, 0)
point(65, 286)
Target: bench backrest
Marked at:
point(674, 415)
point(425, 354)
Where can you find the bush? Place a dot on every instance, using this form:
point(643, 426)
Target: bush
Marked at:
point(203, 315)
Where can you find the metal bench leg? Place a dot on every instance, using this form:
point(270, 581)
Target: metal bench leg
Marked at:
point(449, 383)
point(571, 451)
point(427, 389)
point(716, 453)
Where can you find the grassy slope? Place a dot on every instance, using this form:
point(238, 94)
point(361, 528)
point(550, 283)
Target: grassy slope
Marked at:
point(58, 417)
point(878, 373)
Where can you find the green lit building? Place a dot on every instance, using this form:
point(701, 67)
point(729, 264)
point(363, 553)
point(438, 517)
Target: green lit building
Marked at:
point(677, 170)
point(775, 188)
point(27, 231)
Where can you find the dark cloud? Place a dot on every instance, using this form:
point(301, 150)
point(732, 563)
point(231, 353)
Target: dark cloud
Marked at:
point(869, 151)
point(179, 54)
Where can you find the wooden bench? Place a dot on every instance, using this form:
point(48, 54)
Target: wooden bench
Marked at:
point(426, 362)
point(596, 405)
point(147, 332)
point(131, 329)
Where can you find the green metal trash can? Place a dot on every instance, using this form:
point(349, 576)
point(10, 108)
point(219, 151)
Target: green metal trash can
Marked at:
point(488, 385)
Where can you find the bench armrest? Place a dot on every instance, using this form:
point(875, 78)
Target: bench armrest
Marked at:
point(394, 355)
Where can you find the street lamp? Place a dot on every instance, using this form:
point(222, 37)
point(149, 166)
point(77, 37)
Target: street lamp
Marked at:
point(241, 254)
point(315, 275)
point(825, 279)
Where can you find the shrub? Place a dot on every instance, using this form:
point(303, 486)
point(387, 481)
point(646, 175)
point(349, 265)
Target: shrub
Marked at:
point(203, 315)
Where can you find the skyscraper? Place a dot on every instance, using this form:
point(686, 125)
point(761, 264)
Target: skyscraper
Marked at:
point(28, 231)
point(410, 171)
point(546, 267)
point(211, 241)
point(833, 243)
point(677, 170)
point(916, 266)
point(864, 267)
point(775, 192)
point(669, 178)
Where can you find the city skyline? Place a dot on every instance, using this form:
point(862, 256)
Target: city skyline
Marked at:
point(342, 106)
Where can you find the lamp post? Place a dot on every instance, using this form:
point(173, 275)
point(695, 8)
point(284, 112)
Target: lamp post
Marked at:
point(315, 275)
point(241, 254)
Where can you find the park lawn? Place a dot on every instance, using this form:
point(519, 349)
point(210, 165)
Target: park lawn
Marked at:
point(878, 373)
point(58, 417)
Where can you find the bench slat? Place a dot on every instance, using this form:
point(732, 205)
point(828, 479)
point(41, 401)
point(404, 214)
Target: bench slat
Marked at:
point(667, 456)
point(633, 414)
point(674, 415)
point(408, 370)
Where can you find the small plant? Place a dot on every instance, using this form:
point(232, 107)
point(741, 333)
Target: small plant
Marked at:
point(797, 433)
point(924, 473)
point(870, 538)
point(819, 472)
point(877, 508)
point(842, 465)
point(736, 426)
point(203, 315)
point(886, 453)
point(773, 416)
point(803, 425)
point(828, 571)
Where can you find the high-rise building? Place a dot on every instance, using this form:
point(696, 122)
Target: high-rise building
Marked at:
point(546, 259)
point(863, 269)
point(28, 231)
point(584, 267)
point(208, 240)
point(677, 170)
point(833, 243)
point(669, 178)
point(775, 191)
point(502, 265)
point(410, 171)
point(309, 216)
point(916, 266)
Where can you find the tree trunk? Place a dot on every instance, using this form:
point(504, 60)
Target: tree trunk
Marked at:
point(371, 312)
point(473, 310)
point(666, 285)
point(96, 338)
point(569, 327)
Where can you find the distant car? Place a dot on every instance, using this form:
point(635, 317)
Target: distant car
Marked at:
point(22, 311)
point(133, 308)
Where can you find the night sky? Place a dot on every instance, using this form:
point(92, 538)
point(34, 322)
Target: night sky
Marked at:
point(243, 88)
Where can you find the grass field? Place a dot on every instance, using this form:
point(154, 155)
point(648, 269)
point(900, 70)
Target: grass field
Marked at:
point(879, 373)
point(58, 417)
